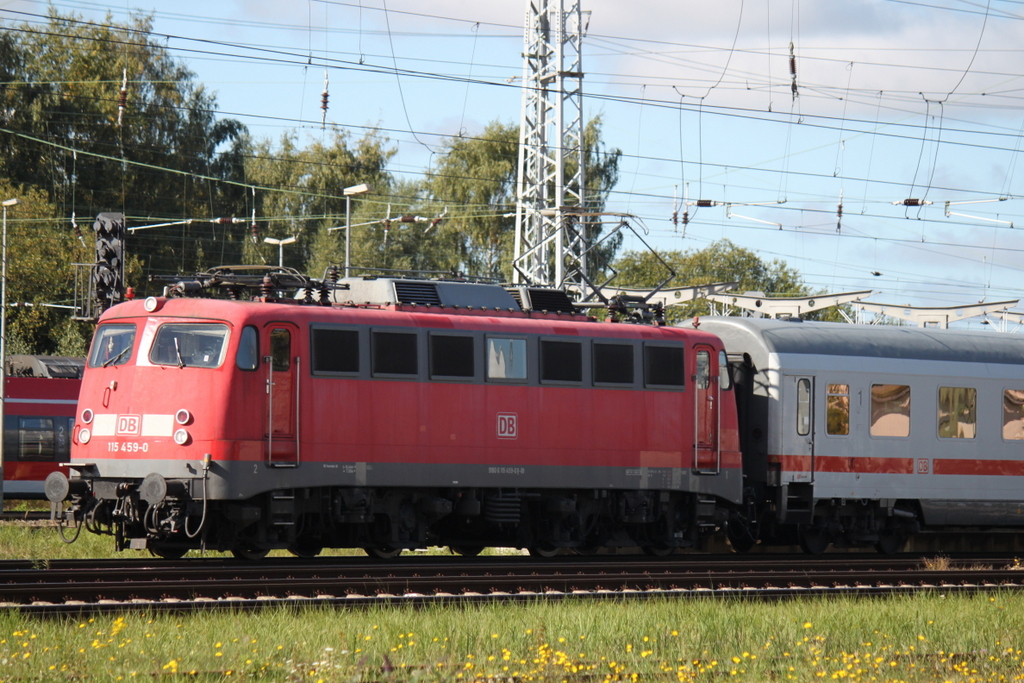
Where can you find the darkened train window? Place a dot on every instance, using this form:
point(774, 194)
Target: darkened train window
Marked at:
point(663, 366)
point(451, 356)
point(248, 355)
point(112, 345)
point(506, 358)
point(613, 363)
point(803, 406)
point(890, 410)
point(561, 361)
point(394, 353)
point(837, 409)
point(35, 438)
point(335, 350)
point(281, 349)
point(958, 412)
point(1013, 414)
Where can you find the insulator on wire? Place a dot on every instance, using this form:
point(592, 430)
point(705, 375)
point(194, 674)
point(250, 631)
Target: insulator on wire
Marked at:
point(839, 216)
point(323, 102)
point(122, 100)
point(78, 230)
point(705, 202)
point(792, 69)
point(254, 233)
point(911, 202)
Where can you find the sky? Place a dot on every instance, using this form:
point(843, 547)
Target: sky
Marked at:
point(890, 100)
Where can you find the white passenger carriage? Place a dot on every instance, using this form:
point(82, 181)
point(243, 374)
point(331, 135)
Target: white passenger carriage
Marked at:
point(859, 435)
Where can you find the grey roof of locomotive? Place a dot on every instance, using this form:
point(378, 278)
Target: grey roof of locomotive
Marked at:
point(868, 341)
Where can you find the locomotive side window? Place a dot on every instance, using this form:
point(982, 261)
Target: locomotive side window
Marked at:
point(1013, 414)
point(506, 358)
point(112, 345)
point(394, 353)
point(724, 376)
point(663, 366)
point(248, 355)
point(702, 380)
point(958, 412)
point(803, 407)
point(837, 409)
point(335, 350)
point(561, 361)
point(189, 345)
point(890, 410)
point(451, 356)
point(280, 349)
point(613, 363)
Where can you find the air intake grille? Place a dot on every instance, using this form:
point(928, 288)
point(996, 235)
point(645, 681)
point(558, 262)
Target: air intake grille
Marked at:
point(417, 293)
point(551, 300)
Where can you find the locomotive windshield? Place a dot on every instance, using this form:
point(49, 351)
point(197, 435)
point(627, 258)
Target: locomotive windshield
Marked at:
point(190, 345)
point(112, 345)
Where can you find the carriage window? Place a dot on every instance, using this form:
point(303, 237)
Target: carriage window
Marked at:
point(189, 345)
point(112, 345)
point(890, 410)
point(248, 354)
point(1013, 414)
point(561, 361)
point(506, 358)
point(451, 356)
point(803, 407)
point(703, 377)
point(35, 438)
point(837, 409)
point(724, 376)
point(958, 412)
point(335, 350)
point(394, 353)
point(663, 366)
point(613, 363)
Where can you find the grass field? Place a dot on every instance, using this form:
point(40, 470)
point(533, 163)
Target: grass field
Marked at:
point(924, 638)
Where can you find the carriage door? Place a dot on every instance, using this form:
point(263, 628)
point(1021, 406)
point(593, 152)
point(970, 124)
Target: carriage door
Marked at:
point(707, 392)
point(798, 426)
point(282, 370)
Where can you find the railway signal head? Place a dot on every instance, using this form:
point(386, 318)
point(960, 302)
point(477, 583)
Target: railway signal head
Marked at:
point(108, 274)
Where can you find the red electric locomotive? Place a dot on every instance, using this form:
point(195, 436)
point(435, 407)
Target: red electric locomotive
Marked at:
point(412, 413)
point(40, 394)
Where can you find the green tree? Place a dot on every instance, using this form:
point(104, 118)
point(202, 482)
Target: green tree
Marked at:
point(64, 129)
point(720, 261)
point(476, 179)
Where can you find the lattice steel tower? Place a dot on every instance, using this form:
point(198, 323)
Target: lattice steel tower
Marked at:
point(550, 246)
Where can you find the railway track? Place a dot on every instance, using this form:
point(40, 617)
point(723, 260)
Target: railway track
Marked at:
point(96, 586)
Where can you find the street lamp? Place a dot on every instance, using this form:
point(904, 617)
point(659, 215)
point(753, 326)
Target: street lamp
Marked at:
point(280, 247)
point(348, 192)
point(3, 341)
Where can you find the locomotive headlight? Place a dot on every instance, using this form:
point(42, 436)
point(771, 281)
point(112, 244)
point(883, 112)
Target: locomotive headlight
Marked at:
point(181, 437)
point(84, 435)
point(87, 416)
point(183, 417)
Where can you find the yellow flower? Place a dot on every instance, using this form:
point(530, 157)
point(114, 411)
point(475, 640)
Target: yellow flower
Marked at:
point(808, 624)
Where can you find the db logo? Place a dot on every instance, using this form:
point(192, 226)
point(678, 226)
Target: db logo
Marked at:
point(508, 426)
point(922, 466)
point(129, 425)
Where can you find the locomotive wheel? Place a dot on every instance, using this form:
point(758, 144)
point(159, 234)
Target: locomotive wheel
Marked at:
point(466, 550)
point(247, 552)
point(657, 550)
point(545, 551)
point(168, 552)
point(305, 550)
point(813, 541)
point(383, 553)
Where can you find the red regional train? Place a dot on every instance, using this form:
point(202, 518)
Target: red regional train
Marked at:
point(439, 413)
point(40, 395)
point(396, 414)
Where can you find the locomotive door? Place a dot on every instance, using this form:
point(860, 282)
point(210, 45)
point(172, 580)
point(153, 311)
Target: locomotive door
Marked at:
point(282, 368)
point(707, 392)
point(798, 429)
